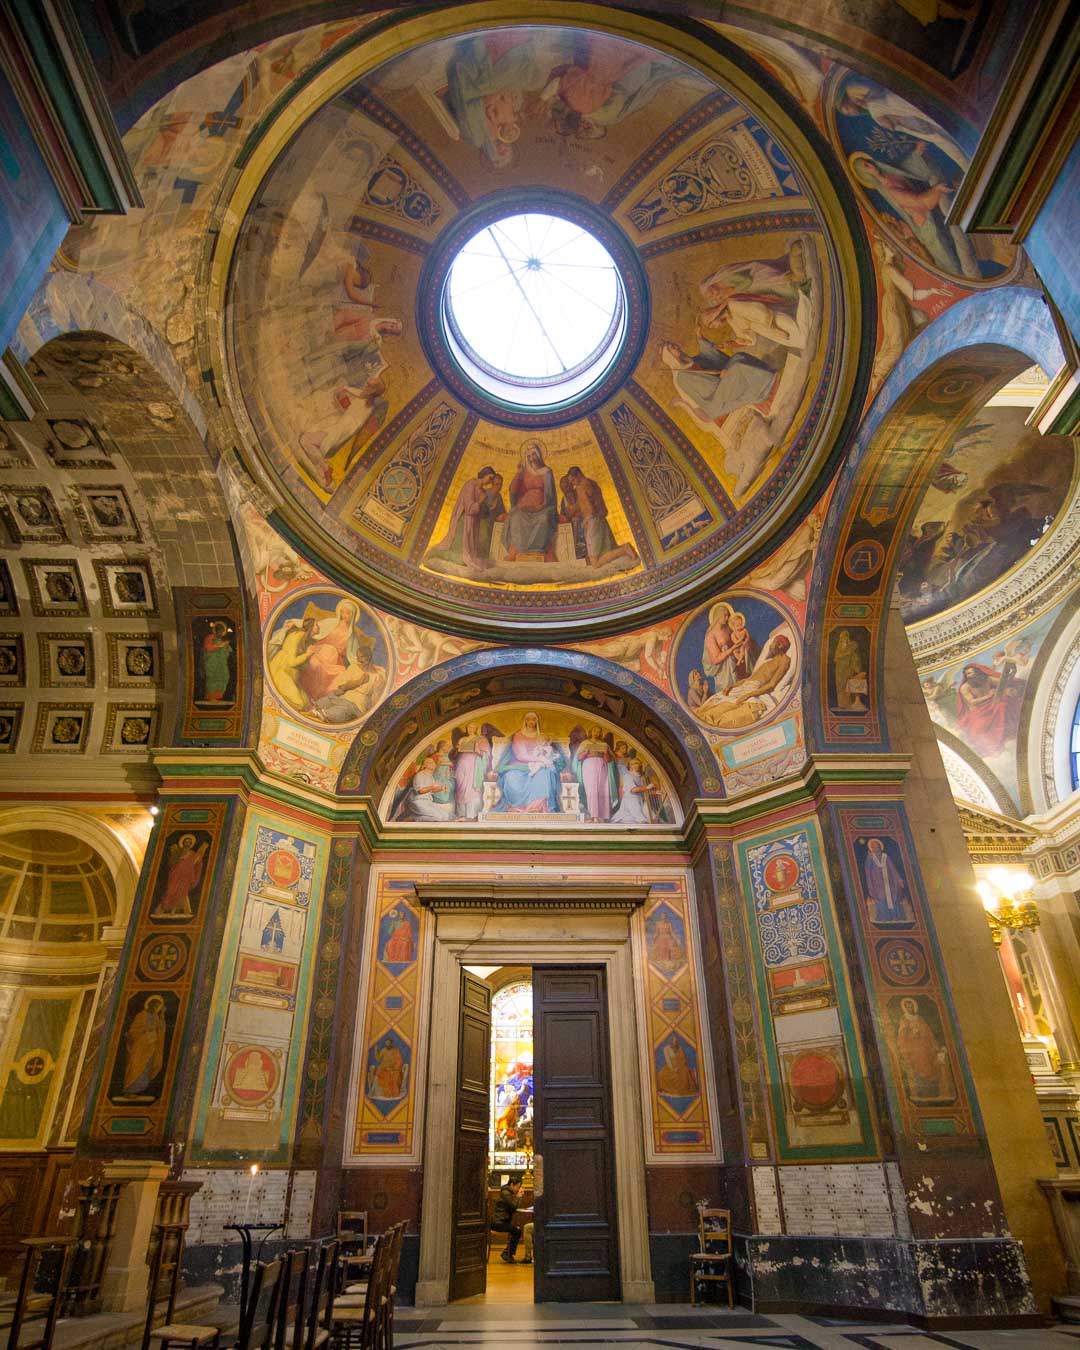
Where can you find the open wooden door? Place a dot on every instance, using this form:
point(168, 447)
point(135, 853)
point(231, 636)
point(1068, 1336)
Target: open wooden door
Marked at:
point(576, 1235)
point(468, 1262)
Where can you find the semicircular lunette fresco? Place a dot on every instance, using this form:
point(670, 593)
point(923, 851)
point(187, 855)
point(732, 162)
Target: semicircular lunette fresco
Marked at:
point(681, 468)
point(995, 494)
point(530, 763)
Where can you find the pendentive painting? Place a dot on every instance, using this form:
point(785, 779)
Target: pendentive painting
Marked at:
point(736, 661)
point(531, 762)
point(327, 657)
point(907, 168)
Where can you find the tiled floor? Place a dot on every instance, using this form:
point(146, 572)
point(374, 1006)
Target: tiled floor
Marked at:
point(679, 1327)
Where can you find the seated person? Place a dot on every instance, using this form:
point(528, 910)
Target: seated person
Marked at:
point(503, 1222)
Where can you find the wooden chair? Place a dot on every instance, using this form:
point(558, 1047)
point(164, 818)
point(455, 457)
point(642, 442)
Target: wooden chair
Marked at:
point(352, 1233)
point(30, 1304)
point(292, 1305)
point(259, 1326)
point(321, 1309)
point(392, 1283)
point(166, 1266)
point(712, 1264)
point(358, 1320)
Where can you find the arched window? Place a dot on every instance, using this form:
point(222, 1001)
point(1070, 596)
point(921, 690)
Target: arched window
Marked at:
point(1074, 747)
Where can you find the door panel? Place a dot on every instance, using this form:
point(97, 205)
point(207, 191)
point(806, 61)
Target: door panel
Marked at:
point(576, 1231)
point(468, 1265)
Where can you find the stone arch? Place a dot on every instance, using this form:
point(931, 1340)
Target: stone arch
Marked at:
point(160, 516)
point(1046, 727)
point(476, 680)
point(943, 377)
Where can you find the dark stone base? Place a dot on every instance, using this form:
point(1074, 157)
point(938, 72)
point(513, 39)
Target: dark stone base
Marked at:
point(207, 1263)
point(954, 1282)
point(669, 1255)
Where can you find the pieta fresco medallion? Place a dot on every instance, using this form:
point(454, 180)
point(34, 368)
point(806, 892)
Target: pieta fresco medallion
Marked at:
point(498, 459)
point(327, 657)
point(736, 661)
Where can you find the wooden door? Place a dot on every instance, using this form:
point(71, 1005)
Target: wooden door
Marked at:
point(468, 1233)
point(577, 1248)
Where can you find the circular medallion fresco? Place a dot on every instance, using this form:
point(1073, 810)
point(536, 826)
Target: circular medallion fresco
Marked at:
point(410, 446)
point(735, 665)
point(906, 169)
point(327, 657)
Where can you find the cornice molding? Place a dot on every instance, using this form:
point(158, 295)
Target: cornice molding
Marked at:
point(44, 56)
point(547, 893)
point(1032, 129)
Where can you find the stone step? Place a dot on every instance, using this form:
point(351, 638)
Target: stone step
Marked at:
point(116, 1331)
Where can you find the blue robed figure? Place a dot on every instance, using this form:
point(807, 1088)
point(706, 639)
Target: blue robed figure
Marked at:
point(529, 769)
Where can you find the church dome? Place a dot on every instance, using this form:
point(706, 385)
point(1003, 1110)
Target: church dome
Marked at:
point(540, 326)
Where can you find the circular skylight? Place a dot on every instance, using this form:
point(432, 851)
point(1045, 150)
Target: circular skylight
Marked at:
point(534, 309)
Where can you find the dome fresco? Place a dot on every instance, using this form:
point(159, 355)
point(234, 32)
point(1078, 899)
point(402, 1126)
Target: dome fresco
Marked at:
point(735, 366)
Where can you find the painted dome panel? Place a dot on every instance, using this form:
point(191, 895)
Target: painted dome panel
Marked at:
point(736, 373)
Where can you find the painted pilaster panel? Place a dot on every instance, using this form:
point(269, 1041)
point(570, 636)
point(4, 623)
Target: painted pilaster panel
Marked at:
point(678, 1078)
point(157, 976)
point(387, 1103)
point(817, 1081)
point(249, 1086)
point(928, 1086)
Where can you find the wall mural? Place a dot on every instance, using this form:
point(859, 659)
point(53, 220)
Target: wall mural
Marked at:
point(156, 978)
point(816, 1076)
point(385, 1097)
point(250, 1075)
point(927, 1085)
point(728, 391)
point(980, 699)
point(997, 491)
point(540, 763)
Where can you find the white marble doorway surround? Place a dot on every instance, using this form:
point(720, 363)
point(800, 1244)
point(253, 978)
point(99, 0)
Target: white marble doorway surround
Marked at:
point(492, 925)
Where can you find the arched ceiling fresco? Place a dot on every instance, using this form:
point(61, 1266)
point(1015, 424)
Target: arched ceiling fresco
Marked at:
point(994, 496)
point(740, 368)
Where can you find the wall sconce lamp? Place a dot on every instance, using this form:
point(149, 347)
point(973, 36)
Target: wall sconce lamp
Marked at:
point(1005, 894)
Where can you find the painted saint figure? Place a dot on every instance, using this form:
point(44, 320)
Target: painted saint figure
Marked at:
point(185, 865)
point(215, 662)
point(533, 520)
point(425, 787)
point(595, 770)
point(585, 508)
point(470, 768)
point(388, 1073)
point(144, 1048)
point(847, 665)
point(400, 947)
point(676, 1077)
point(529, 770)
point(635, 792)
point(468, 538)
point(886, 887)
point(987, 706)
point(924, 1061)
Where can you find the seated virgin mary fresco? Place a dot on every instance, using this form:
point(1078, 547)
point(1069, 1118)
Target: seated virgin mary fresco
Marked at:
point(544, 764)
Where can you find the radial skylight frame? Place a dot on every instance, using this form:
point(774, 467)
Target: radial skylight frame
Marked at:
point(534, 309)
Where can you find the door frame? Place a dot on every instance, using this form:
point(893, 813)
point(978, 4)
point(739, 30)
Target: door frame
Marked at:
point(558, 933)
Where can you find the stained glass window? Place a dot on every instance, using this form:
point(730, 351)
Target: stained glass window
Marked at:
point(1074, 747)
point(510, 1133)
